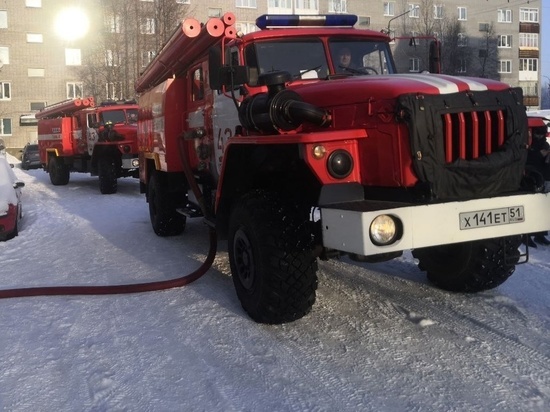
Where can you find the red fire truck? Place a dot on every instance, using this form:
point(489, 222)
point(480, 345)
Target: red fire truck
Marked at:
point(75, 135)
point(294, 155)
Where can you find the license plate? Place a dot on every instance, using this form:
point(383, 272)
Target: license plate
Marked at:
point(491, 217)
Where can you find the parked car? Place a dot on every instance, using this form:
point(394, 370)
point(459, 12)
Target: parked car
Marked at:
point(30, 159)
point(10, 201)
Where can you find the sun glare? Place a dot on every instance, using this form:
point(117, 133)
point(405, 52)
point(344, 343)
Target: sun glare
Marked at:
point(71, 24)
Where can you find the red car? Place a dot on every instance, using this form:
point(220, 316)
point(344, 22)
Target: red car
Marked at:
point(10, 201)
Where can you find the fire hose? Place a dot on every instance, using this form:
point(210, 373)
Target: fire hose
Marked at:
point(135, 287)
point(188, 33)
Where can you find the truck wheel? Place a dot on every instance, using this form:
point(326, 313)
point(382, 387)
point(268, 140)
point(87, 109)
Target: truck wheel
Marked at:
point(162, 209)
point(59, 172)
point(470, 266)
point(107, 175)
point(272, 263)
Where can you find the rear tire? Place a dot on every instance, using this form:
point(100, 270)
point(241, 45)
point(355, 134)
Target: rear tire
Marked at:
point(107, 175)
point(166, 221)
point(470, 266)
point(271, 255)
point(59, 171)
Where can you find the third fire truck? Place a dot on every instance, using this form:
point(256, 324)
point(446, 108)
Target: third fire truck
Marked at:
point(294, 155)
point(76, 135)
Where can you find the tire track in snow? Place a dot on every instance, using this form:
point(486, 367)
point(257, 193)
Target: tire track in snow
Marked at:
point(409, 302)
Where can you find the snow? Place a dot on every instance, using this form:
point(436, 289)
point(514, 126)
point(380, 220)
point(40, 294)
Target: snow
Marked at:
point(379, 338)
point(7, 194)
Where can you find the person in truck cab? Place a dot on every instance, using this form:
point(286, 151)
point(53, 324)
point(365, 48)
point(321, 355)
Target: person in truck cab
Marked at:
point(108, 134)
point(343, 62)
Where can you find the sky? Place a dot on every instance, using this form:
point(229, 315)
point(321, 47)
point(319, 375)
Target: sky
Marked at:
point(379, 338)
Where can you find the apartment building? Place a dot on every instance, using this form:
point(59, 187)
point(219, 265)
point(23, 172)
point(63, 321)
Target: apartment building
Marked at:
point(43, 51)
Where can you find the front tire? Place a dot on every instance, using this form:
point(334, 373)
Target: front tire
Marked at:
point(166, 221)
point(59, 172)
point(271, 255)
point(470, 266)
point(107, 175)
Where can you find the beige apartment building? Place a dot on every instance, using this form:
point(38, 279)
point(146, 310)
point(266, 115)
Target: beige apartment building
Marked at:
point(43, 49)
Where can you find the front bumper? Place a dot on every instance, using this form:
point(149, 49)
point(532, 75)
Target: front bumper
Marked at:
point(345, 227)
point(130, 162)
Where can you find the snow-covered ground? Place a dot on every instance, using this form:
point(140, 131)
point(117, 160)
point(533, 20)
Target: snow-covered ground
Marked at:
point(379, 338)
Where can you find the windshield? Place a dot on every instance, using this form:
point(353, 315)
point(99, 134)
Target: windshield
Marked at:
point(351, 56)
point(306, 58)
point(118, 116)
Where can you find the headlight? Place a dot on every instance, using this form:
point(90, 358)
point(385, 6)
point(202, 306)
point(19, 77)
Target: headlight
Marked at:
point(135, 162)
point(340, 164)
point(385, 230)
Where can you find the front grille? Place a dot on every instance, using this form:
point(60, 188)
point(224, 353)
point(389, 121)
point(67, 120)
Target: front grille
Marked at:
point(473, 134)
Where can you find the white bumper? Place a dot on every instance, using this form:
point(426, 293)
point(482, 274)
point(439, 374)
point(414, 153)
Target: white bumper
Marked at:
point(130, 163)
point(434, 224)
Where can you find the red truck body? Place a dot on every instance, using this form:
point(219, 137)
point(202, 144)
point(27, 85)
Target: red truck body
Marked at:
point(75, 135)
point(292, 157)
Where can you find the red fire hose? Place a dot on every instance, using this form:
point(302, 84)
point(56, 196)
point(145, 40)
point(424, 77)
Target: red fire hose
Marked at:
point(137, 287)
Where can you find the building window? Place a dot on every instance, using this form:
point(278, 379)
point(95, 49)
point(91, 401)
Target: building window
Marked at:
point(147, 26)
point(462, 13)
point(528, 15)
point(337, 6)
point(389, 8)
point(37, 106)
point(363, 22)
point(33, 3)
point(414, 64)
point(113, 23)
point(36, 72)
point(438, 11)
point(5, 126)
point(505, 41)
point(462, 40)
point(74, 90)
point(5, 91)
point(3, 19)
point(114, 90)
point(505, 66)
point(504, 16)
point(528, 65)
point(246, 27)
point(35, 38)
point(112, 58)
point(4, 55)
point(214, 12)
point(280, 6)
point(304, 6)
point(183, 1)
point(73, 57)
point(146, 57)
point(251, 4)
point(414, 11)
point(529, 40)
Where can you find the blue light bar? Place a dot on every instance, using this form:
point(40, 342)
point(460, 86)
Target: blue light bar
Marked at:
point(293, 20)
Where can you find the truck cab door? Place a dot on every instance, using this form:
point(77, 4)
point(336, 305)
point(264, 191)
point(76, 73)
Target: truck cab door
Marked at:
point(91, 131)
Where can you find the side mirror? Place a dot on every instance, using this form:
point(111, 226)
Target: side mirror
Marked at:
point(220, 75)
point(233, 75)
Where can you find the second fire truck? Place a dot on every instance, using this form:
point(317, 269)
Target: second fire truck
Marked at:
point(76, 135)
